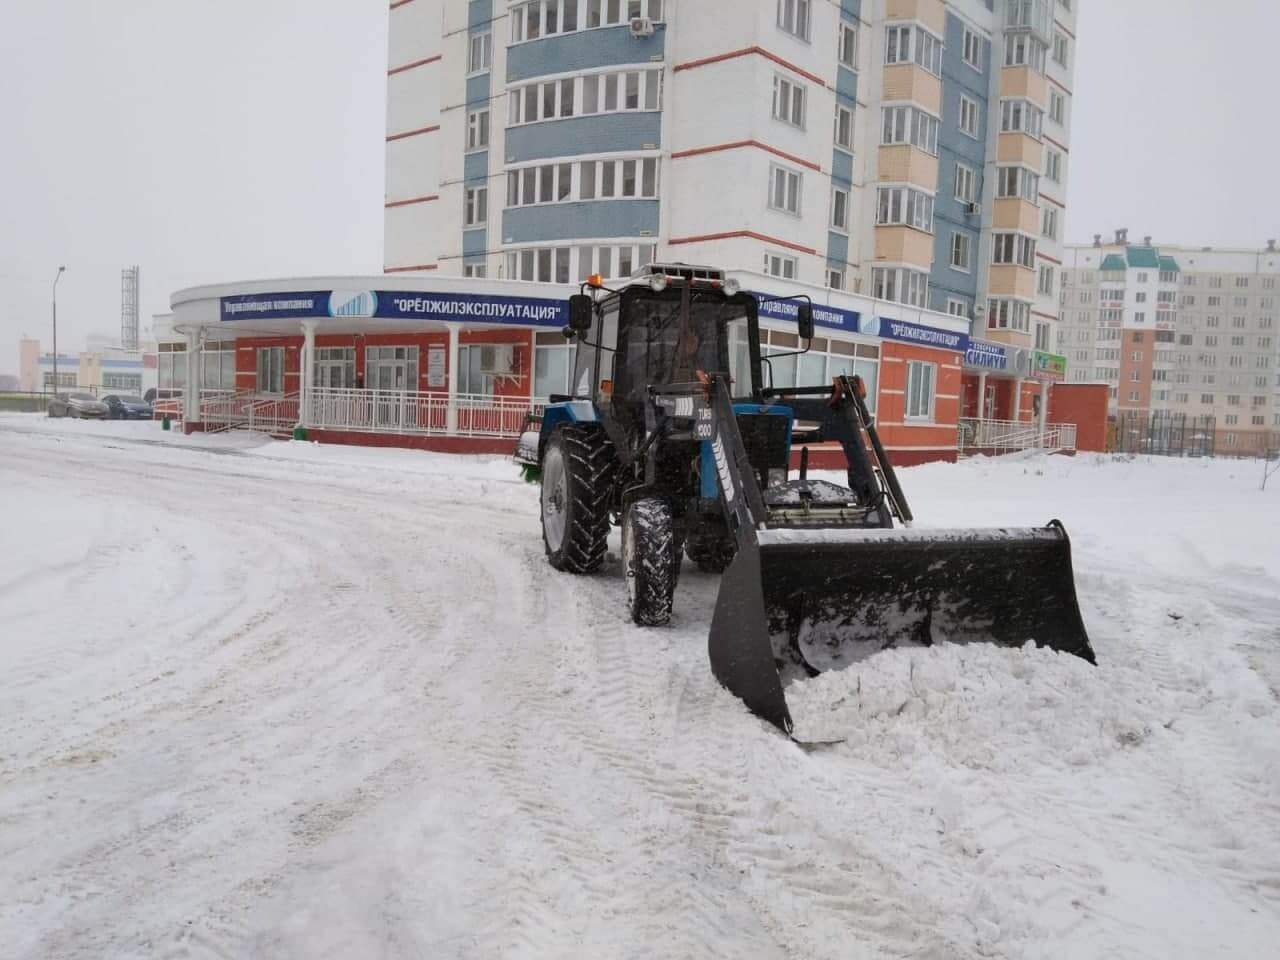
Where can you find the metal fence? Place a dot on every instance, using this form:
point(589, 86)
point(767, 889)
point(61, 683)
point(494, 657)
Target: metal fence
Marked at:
point(1163, 434)
point(1009, 436)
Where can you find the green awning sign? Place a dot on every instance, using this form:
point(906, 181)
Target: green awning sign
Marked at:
point(1048, 366)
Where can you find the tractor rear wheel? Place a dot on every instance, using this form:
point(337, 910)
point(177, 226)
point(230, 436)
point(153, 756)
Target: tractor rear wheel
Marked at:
point(577, 479)
point(649, 560)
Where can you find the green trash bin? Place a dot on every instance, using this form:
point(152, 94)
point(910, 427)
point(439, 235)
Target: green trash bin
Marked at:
point(299, 432)
point(164, 422)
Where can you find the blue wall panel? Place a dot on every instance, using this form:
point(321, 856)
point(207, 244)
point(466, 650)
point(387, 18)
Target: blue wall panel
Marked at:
point(842, 167)
point(479, 13)
point(852, 9)
point(847, 84)
point(592, 218)
point(954, 146)
point(478, 90)
point(584, 50)
point(475, 242)
point(598, 133)
point(475, 166)
point(837, 249)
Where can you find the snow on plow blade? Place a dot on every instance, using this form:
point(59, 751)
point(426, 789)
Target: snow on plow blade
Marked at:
point(805, 601)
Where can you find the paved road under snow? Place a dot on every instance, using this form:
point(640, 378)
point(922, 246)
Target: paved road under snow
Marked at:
point(289, 701)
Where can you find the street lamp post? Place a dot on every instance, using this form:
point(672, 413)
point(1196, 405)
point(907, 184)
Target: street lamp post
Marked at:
point(56, 278)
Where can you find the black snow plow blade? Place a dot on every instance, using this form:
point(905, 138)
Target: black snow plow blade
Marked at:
point(805, 601)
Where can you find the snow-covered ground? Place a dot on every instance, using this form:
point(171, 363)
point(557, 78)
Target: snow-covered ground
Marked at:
point(282, 700)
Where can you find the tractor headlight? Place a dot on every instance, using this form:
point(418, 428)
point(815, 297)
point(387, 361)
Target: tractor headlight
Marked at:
point(732, 288)
point(658, 282)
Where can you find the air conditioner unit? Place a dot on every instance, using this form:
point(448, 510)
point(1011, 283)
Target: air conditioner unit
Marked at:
point(641, 27)
point(970, 208)
point(497, 360)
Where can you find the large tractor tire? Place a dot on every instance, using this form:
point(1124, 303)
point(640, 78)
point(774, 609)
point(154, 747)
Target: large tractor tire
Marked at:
point(577, 476)
point(650, 560)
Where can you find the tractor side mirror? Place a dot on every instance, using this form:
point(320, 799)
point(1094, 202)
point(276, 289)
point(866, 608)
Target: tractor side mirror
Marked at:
point(582, 311)
point(804, 320)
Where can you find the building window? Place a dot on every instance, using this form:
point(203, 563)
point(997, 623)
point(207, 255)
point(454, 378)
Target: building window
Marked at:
point(910, 125)
point(1042, 338)
point(1050, 221)
point(561, 264)
point(545, 18)
point(1009, 315)
point(477, 207)
point(480, 53)
point(628, 178)
point(961, 244)
point(966, 184)
point(1057, 107)
point(788, 101)
point(270, 377)
point(616, 92)
point(334, 368)
point(840, 209)
point(968, 116)
point(919, 392)
point(793, 17)
point(124, 382)
point(218, 366)
point(1021, 116)
point(1013, 248)
point(901, 285)
point(957, 307)
point(1024, 50)
point(913, 44)
point(780, 265)
point(552, 365)
point(1046, 280)
point(835, 278)
point(1018, 182)
point(476, 270)
point(478, 130)
point(1060, 49)
point(784, 190)
point(1053, 165)
point(847, 45)
point(1140, 296)
point(844, 127)
point(972, 49)
point(1140, 317)
point(905, 206)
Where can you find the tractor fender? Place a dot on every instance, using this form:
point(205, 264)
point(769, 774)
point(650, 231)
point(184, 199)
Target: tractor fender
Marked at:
point(568, 411)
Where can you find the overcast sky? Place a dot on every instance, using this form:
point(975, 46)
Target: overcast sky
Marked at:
point(211, 140)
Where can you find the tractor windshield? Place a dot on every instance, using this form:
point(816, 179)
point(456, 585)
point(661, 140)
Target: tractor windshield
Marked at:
point(660, 344)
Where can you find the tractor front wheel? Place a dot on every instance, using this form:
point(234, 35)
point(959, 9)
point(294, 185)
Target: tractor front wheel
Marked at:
point(649, 560)
point(577, 479)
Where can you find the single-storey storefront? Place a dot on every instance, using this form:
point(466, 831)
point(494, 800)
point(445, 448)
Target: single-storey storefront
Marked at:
point(455, 363)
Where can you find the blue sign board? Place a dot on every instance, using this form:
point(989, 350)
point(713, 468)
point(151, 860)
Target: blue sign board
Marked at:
point(397, 305)
point(851, 321)
point(988, 356)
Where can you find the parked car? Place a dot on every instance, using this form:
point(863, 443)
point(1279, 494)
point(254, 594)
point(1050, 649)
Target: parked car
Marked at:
point(78, 405)
point(127, 407)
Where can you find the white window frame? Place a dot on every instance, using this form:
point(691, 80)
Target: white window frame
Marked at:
point(906, 206)
point(796, 18)
point(479, 125)
point(841, 111)
point(569, 95)
point(790, 101)
point(912, 43)
point(835, 278)
point(908, 124)
point(961, 251)
point(920, 393)
point(1057, 106)
point(967, 177)
point(847, 45)
point(1060, 49)
point(792, 185)
point(1045, 284)
point(900, 285)
point(475, 270)
point(1049, 223)
point(475, 207)
point(781, 265)
point(1004, 313)
point(479, 53)
point(840, 200)
point(1019, 115)
point(968, 119)
point(971, 49)
point(1053, 165)
point(957, 307)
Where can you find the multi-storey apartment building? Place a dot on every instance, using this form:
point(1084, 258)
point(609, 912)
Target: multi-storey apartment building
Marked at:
point(1182, 330)
point(913, 150)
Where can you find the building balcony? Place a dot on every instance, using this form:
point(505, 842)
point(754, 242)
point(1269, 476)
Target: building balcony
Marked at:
point(932, 13)
point(1010, 338)
point(903, 163)
point(1026, 83)
point(905, 245)
point(907, 81)
point(1013, 213)
point(1020, 148)
point(1010, 280)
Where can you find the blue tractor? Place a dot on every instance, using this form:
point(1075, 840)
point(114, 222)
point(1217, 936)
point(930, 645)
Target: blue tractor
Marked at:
point(659, 439)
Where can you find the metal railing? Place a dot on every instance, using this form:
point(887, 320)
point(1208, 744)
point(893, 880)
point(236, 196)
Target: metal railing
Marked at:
point(422, 414)
point(1009, 436)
